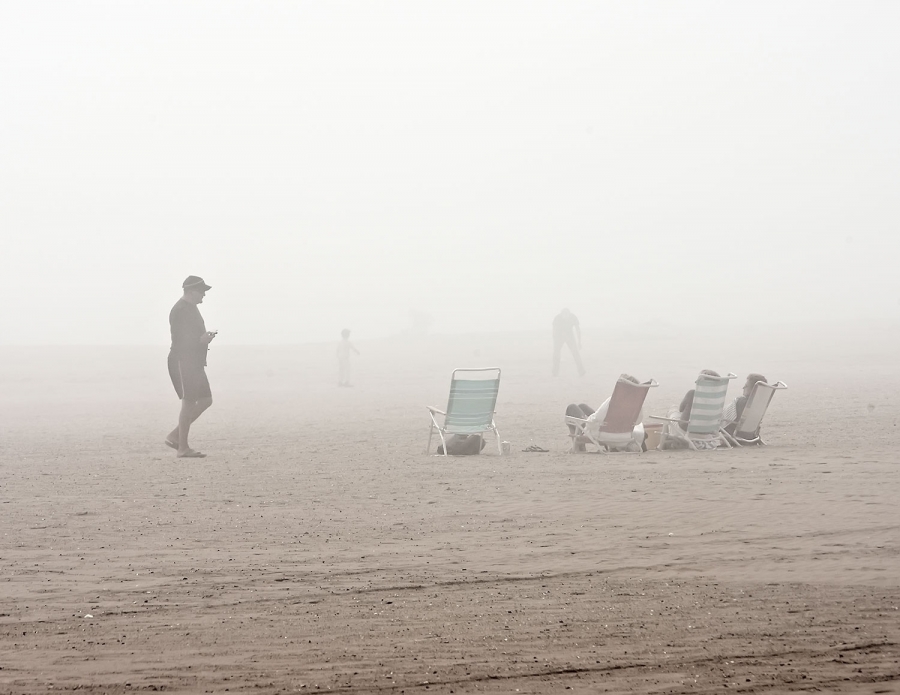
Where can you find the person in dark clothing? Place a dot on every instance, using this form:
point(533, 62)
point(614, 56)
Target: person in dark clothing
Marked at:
point(736, 408)
point(187, 363)
point(567, 332)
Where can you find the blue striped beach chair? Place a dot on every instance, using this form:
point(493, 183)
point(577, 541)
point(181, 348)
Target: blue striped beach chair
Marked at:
point(705, 421)
point(470, 408)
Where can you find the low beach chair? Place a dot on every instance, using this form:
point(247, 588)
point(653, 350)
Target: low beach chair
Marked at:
point(470, 407)
point(622, 417)
point(705, 422)
point(746, 430)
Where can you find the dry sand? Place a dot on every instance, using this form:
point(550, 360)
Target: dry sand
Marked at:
point(318, 548)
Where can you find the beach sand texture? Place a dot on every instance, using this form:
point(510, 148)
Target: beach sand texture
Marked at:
point(318, 548)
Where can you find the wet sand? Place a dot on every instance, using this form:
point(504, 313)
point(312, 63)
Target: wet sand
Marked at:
point(318, 548)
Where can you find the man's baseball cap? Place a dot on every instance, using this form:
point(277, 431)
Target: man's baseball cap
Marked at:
point(193, 282)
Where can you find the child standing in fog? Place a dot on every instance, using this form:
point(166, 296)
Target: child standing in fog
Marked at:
point(343, 354)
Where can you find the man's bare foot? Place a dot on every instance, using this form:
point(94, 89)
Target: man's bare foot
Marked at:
point(171, 444)
point(190, 454)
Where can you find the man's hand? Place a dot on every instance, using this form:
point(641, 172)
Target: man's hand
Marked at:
point(208, 336)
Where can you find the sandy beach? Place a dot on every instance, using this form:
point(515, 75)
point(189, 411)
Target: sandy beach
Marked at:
point(318, 548)
point(389, 192)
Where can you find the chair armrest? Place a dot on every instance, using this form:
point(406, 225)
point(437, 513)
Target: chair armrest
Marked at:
point(435, 410)
point(667, 419)
point(652, 383)
point(779, 385)
point(578, 424)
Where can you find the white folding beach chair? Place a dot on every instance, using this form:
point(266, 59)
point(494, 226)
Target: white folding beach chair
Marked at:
point(705, 421)
point(746, 430)
point(617, 431)
point(470, 407)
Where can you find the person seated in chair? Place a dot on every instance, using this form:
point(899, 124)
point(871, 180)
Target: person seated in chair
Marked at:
point(684, 409)
point(585, 412)
point(683, 412)
point(736, 408)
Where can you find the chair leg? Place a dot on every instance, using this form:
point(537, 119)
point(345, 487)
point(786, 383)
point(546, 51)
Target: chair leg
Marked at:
point(601, 447)
point(578, 439)
point(430, 435)
point(499, 444)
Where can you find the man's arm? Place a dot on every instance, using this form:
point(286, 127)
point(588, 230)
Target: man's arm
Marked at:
point(599, 415)
point(686, 403)
point(187, 332)
point(180, 324)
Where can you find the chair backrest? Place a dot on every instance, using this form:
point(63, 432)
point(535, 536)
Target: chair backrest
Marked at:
point(754, 410)
point(625, 406)
point(709, 402)
point(473, 396)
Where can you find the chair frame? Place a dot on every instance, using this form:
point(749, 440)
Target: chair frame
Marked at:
point(737, 440)
point(689, 438)
point(442, 429)
point(584, 434)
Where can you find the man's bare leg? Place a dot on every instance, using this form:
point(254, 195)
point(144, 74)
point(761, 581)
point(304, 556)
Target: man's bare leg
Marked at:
point(172, 437)
point(197, 408)
point(190, 411)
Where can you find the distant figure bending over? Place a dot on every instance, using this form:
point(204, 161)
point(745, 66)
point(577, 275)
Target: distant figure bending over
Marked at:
point(566, 331)
point(345, 347)
point(187, 363)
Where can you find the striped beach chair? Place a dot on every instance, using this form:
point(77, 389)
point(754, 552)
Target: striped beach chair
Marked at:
point(705, 421)
point(470, 408)
point(746, 429)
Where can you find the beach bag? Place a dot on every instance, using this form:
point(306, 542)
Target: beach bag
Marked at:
point(463, 445)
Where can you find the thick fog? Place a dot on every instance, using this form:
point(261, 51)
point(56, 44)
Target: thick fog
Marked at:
point(329, 165)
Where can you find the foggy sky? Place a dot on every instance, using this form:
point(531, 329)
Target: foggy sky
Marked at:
point(328, 165)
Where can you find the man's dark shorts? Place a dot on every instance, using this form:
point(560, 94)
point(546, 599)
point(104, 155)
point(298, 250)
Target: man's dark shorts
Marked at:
point(189, 379)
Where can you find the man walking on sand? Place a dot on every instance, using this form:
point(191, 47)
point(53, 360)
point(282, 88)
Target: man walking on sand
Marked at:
point(566, 331)
point(187, 363)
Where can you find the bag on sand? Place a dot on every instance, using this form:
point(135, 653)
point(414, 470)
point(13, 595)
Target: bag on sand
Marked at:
point(463, 444)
